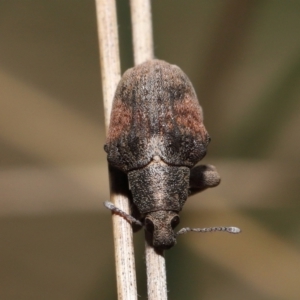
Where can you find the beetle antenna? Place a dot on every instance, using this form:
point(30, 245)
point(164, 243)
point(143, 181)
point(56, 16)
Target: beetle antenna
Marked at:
point(122, 213)
point(234, 230)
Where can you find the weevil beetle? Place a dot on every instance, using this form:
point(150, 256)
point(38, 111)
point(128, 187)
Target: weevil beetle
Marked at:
point(156, 136)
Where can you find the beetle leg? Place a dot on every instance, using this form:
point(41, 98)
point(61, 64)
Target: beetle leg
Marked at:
point(123, 214)
point(203, 177)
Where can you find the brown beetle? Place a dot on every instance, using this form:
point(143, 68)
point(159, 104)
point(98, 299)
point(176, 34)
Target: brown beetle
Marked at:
point(156, 136)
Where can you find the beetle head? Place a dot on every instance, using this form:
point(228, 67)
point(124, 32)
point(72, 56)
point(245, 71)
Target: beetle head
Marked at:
point(160, 225)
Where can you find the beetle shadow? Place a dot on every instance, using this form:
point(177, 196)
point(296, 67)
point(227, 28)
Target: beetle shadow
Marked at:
point(119, 186)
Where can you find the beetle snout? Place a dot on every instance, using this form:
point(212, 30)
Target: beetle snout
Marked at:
point(161, 224)
point(165, 242)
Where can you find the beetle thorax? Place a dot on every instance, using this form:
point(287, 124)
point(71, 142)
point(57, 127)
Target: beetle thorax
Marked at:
point(159, 187)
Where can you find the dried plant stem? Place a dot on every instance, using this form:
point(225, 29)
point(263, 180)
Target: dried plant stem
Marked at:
point(110, 70)
point(156, 274)
point(141, 30)
point(143, 50)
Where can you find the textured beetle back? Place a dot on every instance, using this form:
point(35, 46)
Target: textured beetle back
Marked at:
point(155, 113)
point(159, 187)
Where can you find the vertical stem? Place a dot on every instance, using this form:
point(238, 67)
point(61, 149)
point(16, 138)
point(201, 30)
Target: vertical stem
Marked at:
point(141, 30)
point(156, 274)
point(109, 52)
point(110, 71)
point(143, 50)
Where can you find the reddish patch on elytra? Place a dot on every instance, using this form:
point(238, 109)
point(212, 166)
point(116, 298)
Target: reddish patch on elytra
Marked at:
point(189, 115)
point(120, 119)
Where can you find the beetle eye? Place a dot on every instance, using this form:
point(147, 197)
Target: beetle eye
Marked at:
point(149, 225)
point(175, 221)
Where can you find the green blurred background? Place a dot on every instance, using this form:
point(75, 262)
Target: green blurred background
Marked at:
point(243, 58)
